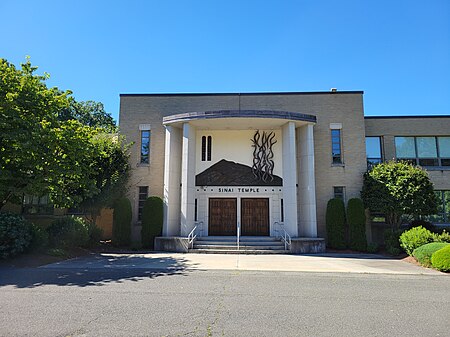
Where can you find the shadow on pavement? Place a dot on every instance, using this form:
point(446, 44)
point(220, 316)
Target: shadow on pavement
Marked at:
point(356, 256)
point(94, 271)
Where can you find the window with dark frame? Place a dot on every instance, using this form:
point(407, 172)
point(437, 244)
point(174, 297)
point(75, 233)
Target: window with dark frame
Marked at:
point(424, 151)
point(336, 147)
point(339, 192)
point(374, 152)
point(282, 210)
point(443, 213)
point(145, 146)
point(206, 148)
point(143, 195)
point(195, 210)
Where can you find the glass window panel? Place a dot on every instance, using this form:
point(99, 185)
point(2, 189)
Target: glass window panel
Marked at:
point(445, 162)
point(404, 147)
point(447, 201)
point(428, 162)
point(444, 147)
point(373, 147)
point(426, 147)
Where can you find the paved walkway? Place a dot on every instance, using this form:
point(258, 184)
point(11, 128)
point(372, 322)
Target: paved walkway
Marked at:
point(335, 263)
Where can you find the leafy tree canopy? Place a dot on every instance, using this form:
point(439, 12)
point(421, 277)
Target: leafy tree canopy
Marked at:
point(397, 189)
point(42, 153)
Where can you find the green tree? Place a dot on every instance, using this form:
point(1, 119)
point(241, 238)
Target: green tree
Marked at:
point(110, 164)
point(88, 113)
point(396, 189)
point(44, 154)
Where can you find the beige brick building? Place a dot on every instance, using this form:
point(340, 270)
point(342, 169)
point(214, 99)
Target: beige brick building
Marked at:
point(256, 161)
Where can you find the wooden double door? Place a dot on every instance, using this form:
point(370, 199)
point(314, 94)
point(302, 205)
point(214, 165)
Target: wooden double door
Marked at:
point(223, 216)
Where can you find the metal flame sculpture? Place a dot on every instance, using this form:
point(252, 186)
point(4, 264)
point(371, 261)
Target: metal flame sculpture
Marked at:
point(263, 155)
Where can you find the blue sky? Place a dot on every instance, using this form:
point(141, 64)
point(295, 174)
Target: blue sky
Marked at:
point(398, 52)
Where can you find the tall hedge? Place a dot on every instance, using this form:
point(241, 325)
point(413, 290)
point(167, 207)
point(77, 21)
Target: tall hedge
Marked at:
point(335, 222)
point(121, 230)
point(152, 221)
point(356, 219)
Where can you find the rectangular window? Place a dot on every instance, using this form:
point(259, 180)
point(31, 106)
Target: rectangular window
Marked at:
point(336, 146)
point(339, 192)
point(37, 205)
point(206, 148)
point(373, 151)
point(145, 146)
point(443, 214)
point(282, 210)
point(195, 210)
point(423, 151)
point(143, 195)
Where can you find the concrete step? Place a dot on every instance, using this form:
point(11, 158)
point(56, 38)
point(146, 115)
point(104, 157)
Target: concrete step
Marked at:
point(241, 247)
point(241, 239)
point(235, 251)
point(242, 243)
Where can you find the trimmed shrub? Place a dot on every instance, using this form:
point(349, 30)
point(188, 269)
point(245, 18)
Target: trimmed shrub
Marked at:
point(95, 234)
point(335, 222)
point(392, 241)
point(443, 237)
point(152, 221)
point(121, 231)
point(39, 237)
point(15, 235)
point(372, 248)
point(68, 232)
point(423, 253)
point(441, 259)
point(356, 219)
point(416, 237)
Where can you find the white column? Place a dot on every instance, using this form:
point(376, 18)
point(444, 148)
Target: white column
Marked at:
point(290, 179)
point(172, 180)
point(307, 183)
point(187, 179)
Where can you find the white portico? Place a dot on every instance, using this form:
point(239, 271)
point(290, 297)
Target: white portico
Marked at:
point(246, 167)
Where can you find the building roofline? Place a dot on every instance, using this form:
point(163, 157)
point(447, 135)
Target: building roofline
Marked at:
point(247, 93)
point(407, 117)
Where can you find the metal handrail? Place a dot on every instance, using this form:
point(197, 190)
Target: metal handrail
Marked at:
point(191, 237)
point(238, 234)
point(283, 235)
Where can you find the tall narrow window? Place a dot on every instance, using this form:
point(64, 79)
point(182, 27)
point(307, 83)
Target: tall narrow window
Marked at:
point(336, 146)
point(282, 210)
point(206, 148)
point(145, 146)
point(209, 148)
point(143, 195)
point(195, 210)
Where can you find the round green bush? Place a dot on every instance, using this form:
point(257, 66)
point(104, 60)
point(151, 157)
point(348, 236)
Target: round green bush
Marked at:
point(68, 232)
point(335, 223)
point(121, 231)
point(416, 237)
point(356, 219)
point(441, 259)
point(15, 235)
point(152, 221)
point(372, 248)
point(423, 253)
